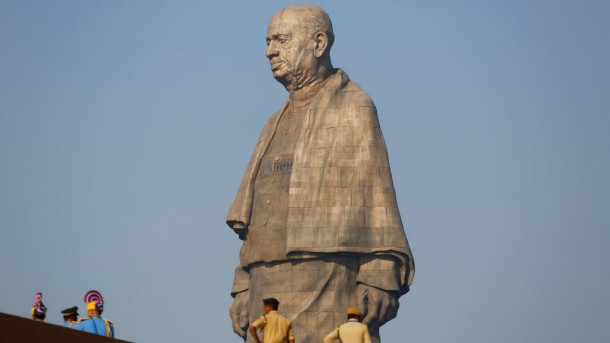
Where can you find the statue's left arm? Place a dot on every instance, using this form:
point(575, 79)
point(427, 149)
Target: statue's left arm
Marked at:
point(379, 287)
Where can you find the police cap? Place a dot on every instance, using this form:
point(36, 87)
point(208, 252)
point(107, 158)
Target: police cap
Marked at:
point(70, 311)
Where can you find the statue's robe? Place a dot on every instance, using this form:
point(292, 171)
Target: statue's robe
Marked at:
point(341, 204)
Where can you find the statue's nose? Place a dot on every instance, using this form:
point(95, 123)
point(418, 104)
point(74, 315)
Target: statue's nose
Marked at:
point(271, 50)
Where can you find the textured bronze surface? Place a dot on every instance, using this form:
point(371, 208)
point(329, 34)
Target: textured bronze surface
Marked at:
point(316, 208)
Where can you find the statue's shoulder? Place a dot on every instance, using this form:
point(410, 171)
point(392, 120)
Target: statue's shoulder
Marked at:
point(272, 121)
point(357, 95)
point(350, 92)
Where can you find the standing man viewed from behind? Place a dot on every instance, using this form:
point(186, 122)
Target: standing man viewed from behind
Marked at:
point(276, 328)
point(351, 332)
point(95, 323)
point(71, 318)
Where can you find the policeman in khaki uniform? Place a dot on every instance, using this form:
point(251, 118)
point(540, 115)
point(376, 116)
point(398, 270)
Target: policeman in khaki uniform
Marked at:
point(71, 318)
point(276, 328)
point(351, 332)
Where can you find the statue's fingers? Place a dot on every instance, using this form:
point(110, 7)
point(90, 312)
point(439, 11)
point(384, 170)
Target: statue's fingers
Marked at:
point(363, 299)
point(374, 306)
point(233, 314)
point(388, 309)
point(383, 309)
point(239, 316)
point(244, 323)
point(238, 330)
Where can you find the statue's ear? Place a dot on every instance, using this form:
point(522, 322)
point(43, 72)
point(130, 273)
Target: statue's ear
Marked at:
point(320, 44)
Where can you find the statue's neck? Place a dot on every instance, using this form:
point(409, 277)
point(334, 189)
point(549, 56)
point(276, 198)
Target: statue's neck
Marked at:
point(309, 89)
point(307, 83)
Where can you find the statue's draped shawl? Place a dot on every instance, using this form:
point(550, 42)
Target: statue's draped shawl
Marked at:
point(341, 195)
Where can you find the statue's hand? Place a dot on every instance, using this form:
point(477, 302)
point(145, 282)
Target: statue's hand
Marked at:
point(378, 306)
point(239, 313)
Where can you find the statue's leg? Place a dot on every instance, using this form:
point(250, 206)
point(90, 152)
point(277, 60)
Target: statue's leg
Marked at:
point(313, 293)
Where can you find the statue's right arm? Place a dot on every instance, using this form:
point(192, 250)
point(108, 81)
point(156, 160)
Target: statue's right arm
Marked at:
point(239, 308)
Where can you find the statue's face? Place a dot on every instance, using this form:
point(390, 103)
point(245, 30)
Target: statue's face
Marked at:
point(289, 48)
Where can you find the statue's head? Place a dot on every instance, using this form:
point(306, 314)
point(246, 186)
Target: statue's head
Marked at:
point(299, 39)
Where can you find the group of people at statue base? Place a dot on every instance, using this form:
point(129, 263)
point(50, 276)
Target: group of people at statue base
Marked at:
point(277, 329)
point(94, 324)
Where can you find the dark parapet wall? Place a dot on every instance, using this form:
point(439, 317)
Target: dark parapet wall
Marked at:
point(24, 330)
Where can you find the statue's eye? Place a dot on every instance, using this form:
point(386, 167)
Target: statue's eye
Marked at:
point(283, 39)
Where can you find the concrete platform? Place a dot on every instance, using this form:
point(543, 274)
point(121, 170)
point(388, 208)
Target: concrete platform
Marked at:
point(25, 330)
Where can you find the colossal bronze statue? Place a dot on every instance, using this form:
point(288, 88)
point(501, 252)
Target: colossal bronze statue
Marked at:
point(316, 207)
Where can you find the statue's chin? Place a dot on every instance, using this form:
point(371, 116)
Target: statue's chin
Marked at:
point(282, 79)
point(279, 74)
point(289, 80)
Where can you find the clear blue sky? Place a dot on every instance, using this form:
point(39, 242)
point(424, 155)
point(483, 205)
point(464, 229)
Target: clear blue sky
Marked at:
point(125, 127)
